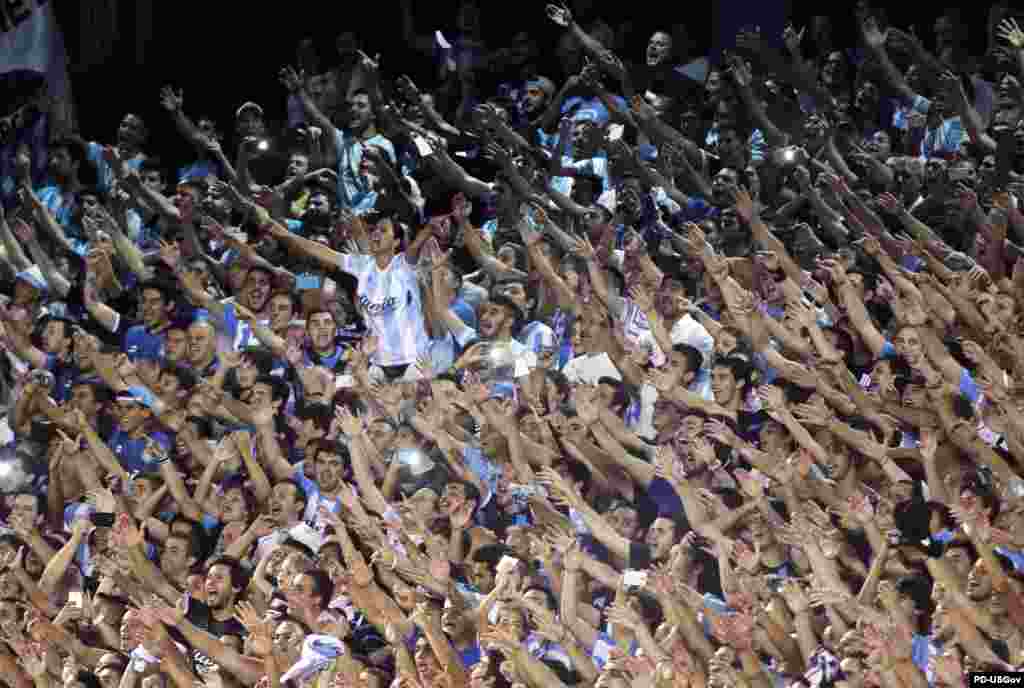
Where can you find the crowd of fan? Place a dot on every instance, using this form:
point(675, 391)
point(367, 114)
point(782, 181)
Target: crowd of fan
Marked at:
point(646, 379)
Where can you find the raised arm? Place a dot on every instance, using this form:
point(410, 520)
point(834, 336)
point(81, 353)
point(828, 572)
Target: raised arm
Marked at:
point(174, 103)
point(270, 339)
point(455, 175)
point(47, 221)
point(311, 249)
point(601, 529)
point(586, 634)
point(132, 183)
point(419, 42)
point(13, 249)
point(540, 262)
point(352, 426)
point(126, 248)
point(58, 566)
point(874, 39)
point(22, 347)
point(743, 78)
point(855, 309)
point(57, 282)
point(968, 114)
point(296, 82)
point(263, 419)
point(593, 47)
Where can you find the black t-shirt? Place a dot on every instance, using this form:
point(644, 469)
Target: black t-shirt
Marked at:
point(748, 425)
point(201, 616)
point(640, 556)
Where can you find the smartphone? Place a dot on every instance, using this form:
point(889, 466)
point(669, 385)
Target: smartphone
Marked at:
point(507, 564)
point(75, 598)
point(523, 491)
point(42, 377)
point(422, 146)
point(634, 580)
point(102, 519)
point(615, 132)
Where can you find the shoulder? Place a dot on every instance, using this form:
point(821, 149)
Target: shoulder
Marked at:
point(383, 142)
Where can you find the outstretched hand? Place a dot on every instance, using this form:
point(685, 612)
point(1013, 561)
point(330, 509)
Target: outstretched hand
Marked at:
point(560, 14)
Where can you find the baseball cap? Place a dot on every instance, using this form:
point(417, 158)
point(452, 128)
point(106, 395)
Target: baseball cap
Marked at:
point(503, 390)
point(543, 83)
point(607, 200)
point(34, 276)
point(136, 395)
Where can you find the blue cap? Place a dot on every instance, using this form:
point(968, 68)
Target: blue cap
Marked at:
point(465, 313)
point(229, 257)
point(648, 153)
point(138, 395)
point(34, 276)
point(503, 390)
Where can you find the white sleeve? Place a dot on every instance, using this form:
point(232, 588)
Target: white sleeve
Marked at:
point(465, 335)
point(354, 264)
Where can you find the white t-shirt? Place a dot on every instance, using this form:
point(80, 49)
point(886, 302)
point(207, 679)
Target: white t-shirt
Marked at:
point(391, 305)
point(589, 368)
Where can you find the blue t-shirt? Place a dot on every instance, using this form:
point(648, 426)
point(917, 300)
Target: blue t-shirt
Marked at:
point(200, 169)
point(968, 387)
point(661, 492)
point(131, 453)
point(334, 361)
point(470, 656)
point(590, 109)
point(141, 343)
point(696, 209)
point(65, 375)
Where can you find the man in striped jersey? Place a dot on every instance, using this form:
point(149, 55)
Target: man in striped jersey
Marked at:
point(388, 293)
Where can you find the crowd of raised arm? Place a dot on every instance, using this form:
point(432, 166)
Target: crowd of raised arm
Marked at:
point(651, 373)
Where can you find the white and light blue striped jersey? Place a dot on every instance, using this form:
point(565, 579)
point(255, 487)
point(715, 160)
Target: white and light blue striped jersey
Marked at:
point(537, 336)
point(353, 187)
point(237, 334)
point(391, 306)
point(597, 166)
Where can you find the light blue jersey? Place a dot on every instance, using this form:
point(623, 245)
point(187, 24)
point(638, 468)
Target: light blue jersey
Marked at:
point(353, 189)
point(104, 173)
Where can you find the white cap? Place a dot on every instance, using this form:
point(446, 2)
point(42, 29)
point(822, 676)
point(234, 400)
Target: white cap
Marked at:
point(307, 536)
point(607, 201)
point(248, 105)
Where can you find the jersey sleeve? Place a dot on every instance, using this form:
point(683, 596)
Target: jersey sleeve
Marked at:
point(354, 264)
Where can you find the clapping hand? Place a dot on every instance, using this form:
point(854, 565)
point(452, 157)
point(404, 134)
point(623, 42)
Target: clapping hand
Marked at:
point(258, 628)
point(873, 35)
point(171, 101)
point(291, 79)
point(1011, 32)
point(560, 14)
point(793, 38)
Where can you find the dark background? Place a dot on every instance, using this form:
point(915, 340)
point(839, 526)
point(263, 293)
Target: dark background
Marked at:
point(224, 52)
